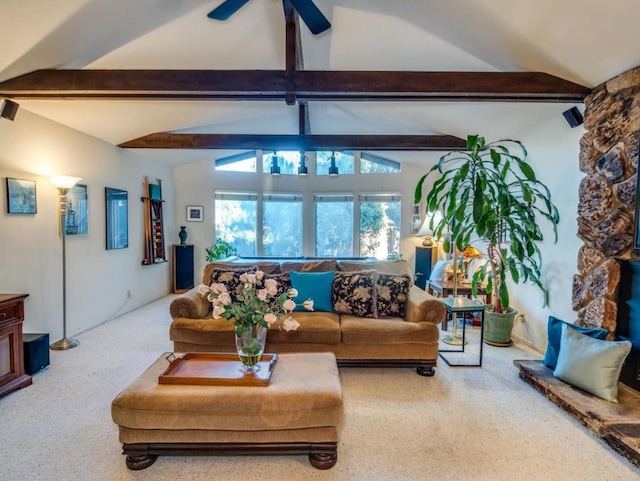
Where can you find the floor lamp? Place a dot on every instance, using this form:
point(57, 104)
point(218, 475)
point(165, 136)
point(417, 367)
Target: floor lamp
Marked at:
point(64, 183)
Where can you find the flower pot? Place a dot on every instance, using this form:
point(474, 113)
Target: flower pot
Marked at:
point(498, 327)
point(250, 346)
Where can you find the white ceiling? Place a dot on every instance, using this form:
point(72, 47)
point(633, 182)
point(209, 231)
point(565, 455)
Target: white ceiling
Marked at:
point(584, 41)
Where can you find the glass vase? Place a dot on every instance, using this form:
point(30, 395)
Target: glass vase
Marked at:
point(250, 346)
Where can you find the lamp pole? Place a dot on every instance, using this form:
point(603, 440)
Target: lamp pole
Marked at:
point(64, 184)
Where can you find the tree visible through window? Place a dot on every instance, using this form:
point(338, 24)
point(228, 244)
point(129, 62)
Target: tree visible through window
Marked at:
point(282, 225)
point(236, 217)
point(334, 225)
point(380, 225)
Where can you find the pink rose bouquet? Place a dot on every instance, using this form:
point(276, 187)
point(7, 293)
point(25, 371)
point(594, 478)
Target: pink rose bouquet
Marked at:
point(257, 304)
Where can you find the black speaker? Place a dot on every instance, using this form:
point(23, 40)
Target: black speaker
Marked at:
point(183, 269)
point(573, 117)
point(9, 109)
point(36, 352)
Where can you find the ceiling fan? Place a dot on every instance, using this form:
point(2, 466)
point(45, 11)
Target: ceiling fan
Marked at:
point(310, 14)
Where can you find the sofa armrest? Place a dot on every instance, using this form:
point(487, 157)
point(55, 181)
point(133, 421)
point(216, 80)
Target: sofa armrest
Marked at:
point(191, 305)
point(423, 307)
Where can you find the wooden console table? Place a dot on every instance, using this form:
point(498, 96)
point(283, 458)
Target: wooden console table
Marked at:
point(12, 375)
point(445, 289)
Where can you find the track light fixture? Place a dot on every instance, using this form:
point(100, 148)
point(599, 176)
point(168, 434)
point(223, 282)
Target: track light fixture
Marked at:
point(333, 168)
point(302, 168)
point(275, 168)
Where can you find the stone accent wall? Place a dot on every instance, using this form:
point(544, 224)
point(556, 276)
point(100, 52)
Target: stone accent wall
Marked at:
point(607, 197)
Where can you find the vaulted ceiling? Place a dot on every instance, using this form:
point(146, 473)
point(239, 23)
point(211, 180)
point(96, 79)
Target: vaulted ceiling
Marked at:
point(582, 41)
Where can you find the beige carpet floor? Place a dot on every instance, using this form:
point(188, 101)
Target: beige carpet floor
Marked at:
point(463, 424)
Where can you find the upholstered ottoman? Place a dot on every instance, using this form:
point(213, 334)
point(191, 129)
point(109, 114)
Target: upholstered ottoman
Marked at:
point(299, 412)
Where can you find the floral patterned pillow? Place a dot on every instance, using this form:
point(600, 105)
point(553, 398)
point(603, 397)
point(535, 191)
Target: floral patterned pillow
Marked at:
point(231, 279)
point(391, 294)
point(354, 293)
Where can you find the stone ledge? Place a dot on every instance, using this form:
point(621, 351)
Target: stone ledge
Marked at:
point(616, 424)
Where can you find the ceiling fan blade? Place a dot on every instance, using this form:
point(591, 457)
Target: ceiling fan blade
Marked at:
point(311, 15)
point(226, 9)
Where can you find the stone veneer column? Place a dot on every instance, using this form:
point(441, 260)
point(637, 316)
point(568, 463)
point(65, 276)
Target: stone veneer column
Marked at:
point(607, 197)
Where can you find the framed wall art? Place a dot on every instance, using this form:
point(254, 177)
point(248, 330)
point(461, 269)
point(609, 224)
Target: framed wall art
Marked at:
point(117, 215)
point(195, 213)
point(21, 196)
point(77, 218)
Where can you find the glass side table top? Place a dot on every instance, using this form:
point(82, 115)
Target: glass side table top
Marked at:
point(461, 303)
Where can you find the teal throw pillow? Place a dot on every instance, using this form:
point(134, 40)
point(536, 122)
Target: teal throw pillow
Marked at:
point(554, 331)
point(316, 286)
point(591, 364)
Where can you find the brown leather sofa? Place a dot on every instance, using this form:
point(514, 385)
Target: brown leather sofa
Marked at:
point(407, 341)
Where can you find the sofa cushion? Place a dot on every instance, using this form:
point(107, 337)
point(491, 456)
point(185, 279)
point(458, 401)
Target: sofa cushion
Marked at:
point(203, 332)
point(392, 330)
point(391, 294)
point(395, 266)
point(323, 265)
point(315, 328)
point(355, 293)
point(315, 286)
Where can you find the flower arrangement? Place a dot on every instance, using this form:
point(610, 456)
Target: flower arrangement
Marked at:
point(257, 307)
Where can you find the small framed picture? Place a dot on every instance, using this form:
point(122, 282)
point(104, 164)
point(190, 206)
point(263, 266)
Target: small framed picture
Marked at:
point(195, 213)
point(21, 196)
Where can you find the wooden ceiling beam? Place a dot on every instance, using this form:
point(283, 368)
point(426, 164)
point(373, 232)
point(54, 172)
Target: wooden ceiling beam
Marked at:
point(166, 140)
point(305, 85)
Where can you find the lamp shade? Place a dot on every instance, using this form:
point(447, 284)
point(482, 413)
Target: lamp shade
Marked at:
point(426, 229)
point(471, 252)
point(64, 181)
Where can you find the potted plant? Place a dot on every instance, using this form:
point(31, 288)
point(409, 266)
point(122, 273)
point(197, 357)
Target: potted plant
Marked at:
point(487, 193)
point(221, 249)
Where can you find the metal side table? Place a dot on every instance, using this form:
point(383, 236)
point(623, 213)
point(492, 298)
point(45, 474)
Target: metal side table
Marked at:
point(461, 305)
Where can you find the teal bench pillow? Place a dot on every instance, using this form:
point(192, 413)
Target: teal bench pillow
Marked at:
point(591, 364)
point(316, 286)
point(554, 331)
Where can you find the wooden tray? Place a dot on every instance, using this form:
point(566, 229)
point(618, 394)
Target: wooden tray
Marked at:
point(216, 369)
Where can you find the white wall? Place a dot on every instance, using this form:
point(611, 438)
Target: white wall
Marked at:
point(196, 183)
point(553, 152)
point(33, 147)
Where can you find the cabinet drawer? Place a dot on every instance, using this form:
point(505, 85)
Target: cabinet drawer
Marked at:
point(9, 312)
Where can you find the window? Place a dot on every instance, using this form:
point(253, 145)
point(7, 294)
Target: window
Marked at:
point(282, 225)
point(334, 225)
point(245, 162)
point(344, 162)
point(372, 164)
point(287, 161)
point(236, 220)
point(380, 225)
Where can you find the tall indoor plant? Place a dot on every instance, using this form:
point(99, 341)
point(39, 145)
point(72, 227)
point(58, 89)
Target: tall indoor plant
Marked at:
point(488, 193)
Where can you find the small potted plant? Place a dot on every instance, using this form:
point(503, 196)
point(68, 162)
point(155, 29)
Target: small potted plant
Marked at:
point(221, 249)
point(487, 193)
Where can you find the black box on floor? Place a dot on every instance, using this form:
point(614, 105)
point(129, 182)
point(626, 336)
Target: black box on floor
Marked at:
point(36, 352)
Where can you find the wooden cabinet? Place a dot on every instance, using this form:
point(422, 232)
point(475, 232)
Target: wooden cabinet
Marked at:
point(12, 375)
point(183, 269)
point(423, 265)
